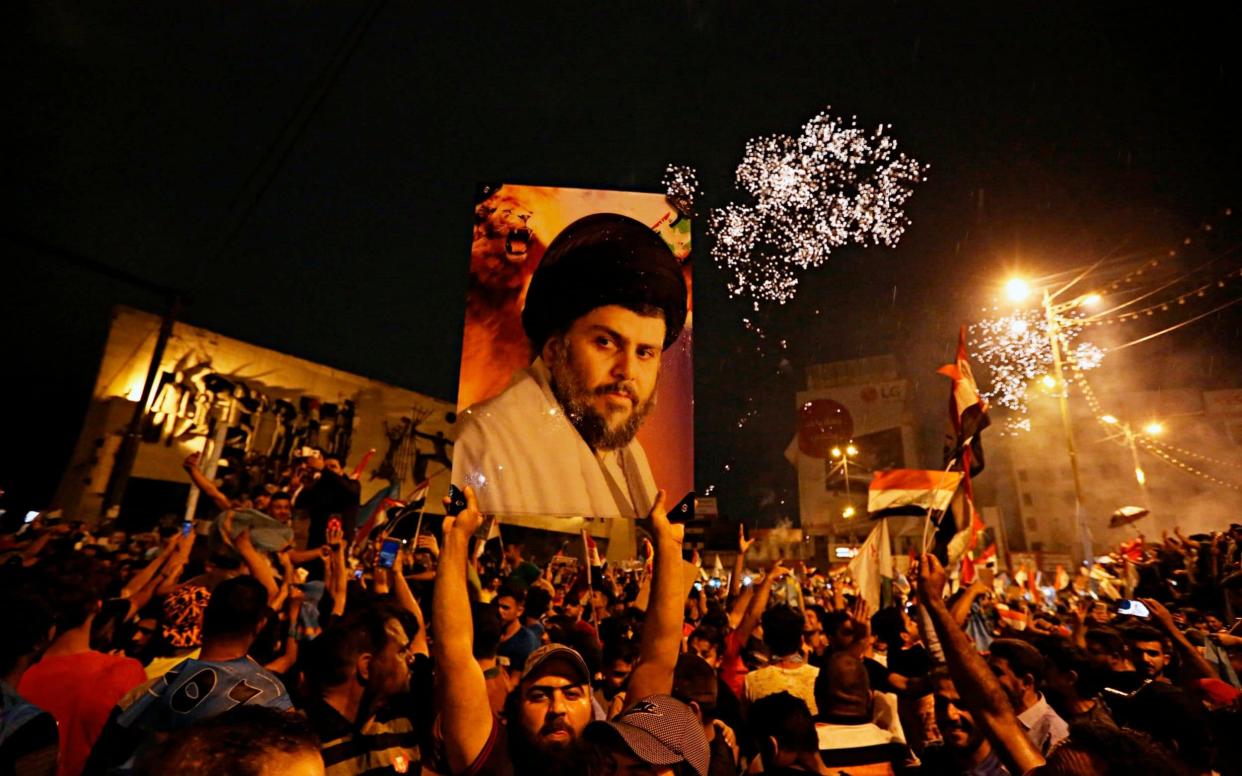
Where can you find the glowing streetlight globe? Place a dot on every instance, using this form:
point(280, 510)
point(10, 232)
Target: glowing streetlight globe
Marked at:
point(1154, 428)
point(1109, 419)
point(1049, 381)
point(1017, 290)
point(1091, 300)
point(851, 450)
point(836, 452)
point(848, 512)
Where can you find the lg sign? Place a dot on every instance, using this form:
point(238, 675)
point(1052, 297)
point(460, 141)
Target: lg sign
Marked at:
point(870, 393)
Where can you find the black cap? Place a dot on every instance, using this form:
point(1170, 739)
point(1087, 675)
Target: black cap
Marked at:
point(659, 730)
point(603, 259)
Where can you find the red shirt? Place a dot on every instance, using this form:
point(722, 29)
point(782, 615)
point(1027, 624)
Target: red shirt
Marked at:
point(79, 690)
point(732, 668)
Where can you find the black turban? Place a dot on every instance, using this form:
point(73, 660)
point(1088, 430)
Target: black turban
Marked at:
point(603, 259)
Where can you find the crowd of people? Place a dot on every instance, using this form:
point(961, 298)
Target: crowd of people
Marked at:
point(203, 650)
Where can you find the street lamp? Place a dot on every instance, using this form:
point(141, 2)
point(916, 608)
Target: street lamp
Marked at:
point(1018, 290)
point(844, 456)
point(1140, 476)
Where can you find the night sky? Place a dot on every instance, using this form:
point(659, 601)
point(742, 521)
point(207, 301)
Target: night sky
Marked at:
point(305, 171)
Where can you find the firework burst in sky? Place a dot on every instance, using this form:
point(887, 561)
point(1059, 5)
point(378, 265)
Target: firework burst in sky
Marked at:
point(681, 186)
point(1016, 351)
point(835, 184)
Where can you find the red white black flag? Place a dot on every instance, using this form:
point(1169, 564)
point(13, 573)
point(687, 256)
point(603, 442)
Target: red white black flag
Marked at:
point(968, 416)
point(968, 413)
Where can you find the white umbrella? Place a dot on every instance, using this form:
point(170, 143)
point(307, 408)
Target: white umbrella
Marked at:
point(1126, 515)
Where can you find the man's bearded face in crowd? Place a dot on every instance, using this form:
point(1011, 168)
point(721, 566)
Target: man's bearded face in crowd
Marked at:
point(388, 670)
point(604, 373)
point(396, 661)
point(553, 712)
point(955, 723)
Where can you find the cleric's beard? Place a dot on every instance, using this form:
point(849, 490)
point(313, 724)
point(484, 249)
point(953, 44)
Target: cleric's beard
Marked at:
point(575, 399)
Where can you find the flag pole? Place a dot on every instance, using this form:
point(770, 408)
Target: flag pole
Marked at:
point(928, 520)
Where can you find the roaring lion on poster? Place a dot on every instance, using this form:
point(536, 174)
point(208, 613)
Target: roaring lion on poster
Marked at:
point(504, 255)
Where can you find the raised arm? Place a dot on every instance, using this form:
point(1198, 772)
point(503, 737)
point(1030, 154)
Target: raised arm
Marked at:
point(338, 572)
point(293, 610)
point(739, 562)
point(1194, 665)
point(258, 565)
point(465, 712)
point(759, 603)
point(741, 605)
point(1078, 614)
point(171, 572)
point(201, 482)
point(961, 607)
point(406, 600)
point(147, 573)
point(975, 682)
point(661, 641)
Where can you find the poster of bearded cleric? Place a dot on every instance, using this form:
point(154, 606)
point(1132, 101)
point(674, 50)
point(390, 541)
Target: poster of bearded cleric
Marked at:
point(576, 391)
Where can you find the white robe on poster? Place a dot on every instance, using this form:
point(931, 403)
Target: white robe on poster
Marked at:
point(527, 463)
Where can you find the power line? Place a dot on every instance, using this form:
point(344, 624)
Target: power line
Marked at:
point(1176, 326)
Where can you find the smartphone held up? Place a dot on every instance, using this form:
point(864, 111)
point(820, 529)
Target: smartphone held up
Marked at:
point(1132, 608)
point(388, 553)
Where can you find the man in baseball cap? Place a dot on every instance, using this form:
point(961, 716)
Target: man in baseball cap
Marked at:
point(548, 710)
point(658, 731)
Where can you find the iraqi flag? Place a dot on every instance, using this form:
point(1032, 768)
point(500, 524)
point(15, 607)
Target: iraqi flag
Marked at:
point(915, 492)
point(591, 550)
point(872, 568)
point(968, 413)
point(373, 513)
point(966, 537)
point(968, 416)
point(418, 498)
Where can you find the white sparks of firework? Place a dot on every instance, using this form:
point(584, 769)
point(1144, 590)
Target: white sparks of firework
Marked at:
point(681, 186)
point(833, 185)
point(1016, 352)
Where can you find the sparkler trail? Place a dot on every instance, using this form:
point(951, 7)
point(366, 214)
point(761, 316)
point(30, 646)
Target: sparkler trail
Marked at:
point(833, 185)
